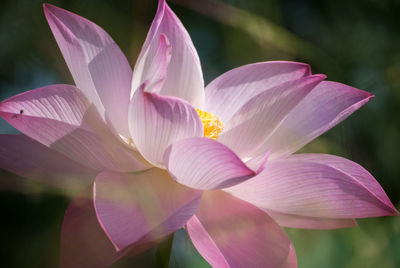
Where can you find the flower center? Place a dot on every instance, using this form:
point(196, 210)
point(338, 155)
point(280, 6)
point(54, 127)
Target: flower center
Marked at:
point(211, 123)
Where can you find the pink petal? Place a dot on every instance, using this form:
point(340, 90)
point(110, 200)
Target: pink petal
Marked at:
point(205, 164)
point(326, 106)
point(28, 158)
point(228, 232)
point(291, 260)
point(132, 206)
point(330, 187)
point(295, 221)
point(184, 76)
point(84, 243)
point(304, 222)
point(98, 66)
point(258, 163)
point(157, 121)
point(229, 92)
point(61, 118)
point(156, 71)
point(351, 168)
point(261, 115)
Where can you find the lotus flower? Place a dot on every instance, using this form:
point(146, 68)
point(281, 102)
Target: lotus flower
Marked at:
point(159, 152)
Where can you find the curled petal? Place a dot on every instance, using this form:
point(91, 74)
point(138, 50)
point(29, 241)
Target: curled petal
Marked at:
point(226, 94)
point(317, 186)
point(142, 206)
point(155, 71)
point(98, 66)
point(60, 117)
point(157, 121)
point(205, 164)
point(184, 75)
point(228, 232)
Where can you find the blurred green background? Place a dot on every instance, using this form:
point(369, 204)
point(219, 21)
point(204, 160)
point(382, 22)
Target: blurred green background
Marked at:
point(353, 42)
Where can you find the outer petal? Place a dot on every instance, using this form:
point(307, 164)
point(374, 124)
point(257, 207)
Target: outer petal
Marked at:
point(229, 92)
point(129, 207)
point(205, 164)
point(228, 232)
point(98, 66)
point(291, 261)
point(61, 118)
point(351, 168)
point(305, 222)
point(256, 120)
point(28, 158)
point(84, 243)
point(157, 121)
point(326, 106)
point(184, 76)
point(333, 189)
point(295, 221)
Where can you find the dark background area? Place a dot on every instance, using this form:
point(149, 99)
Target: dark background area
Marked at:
point(353, 42)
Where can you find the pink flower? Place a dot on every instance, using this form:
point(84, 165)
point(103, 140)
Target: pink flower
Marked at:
point(229, 149)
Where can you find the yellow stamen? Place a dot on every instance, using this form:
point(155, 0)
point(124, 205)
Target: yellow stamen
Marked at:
point(212, 125)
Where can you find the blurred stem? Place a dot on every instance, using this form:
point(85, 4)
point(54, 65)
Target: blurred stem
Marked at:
point(163, 252)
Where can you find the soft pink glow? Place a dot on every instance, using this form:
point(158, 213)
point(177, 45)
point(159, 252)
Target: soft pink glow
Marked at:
point(136, 140)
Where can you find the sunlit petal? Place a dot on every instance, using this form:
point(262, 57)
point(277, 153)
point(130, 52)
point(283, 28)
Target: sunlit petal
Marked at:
point(226, 94)
point(316, 186)
point(327, 105)
point(60, 117)
point(157, 121)
point(205, 164)
point(184, 75)
point(257, 119)
point(98, 66)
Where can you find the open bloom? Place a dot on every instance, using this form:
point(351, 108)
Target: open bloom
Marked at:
point(163, 152)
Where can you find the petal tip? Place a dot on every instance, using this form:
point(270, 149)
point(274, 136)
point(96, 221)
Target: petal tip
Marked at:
point(50, 13)
point(395, 212)
point(161, 2)
point(389, 210)
point(48, 8)
point(320, 76)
